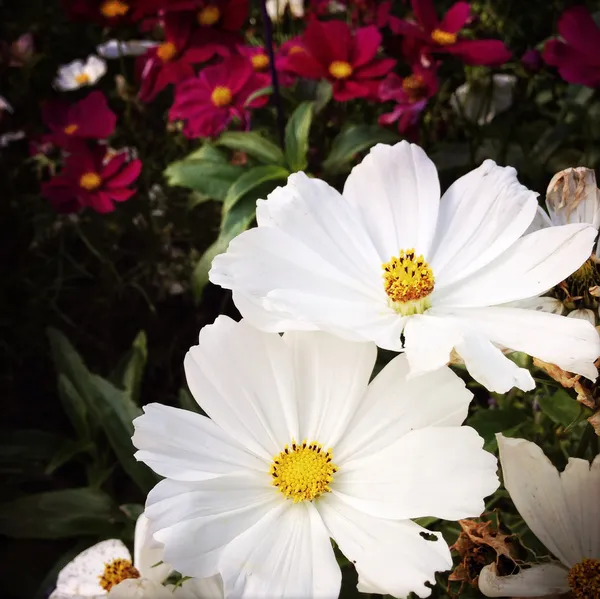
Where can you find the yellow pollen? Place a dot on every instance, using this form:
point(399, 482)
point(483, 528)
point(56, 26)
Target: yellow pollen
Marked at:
point(412, 82)
point(221, 96)
point(166, 51)
point(303, 471)
point(70, 129)
point(296, 50)
point(443, 38)
point(90, 181)
point(114, 8)
point(584, 579)
point(82, 78)
point(340, 69)
point(209, 15)
point(408, 281)
point(260, 62)
point(117, 571)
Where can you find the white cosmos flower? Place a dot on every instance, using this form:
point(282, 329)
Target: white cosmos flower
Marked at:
point(76, 74)
point(299, 447)
point(563, 511)
point(276, 8)
point(390, 262)
point(106, 569)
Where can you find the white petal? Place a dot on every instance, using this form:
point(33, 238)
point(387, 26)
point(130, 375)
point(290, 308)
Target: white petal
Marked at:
point(537, 581)
point(195, 521)
point(404, 480)
point(287, 554)
point(394, 405)
point(397, 192)
point(531, 266)
point(390, 557)
point(95, 68)
point(182, 445)
point(541, 304)
point(81, 576)
point(297, 8)
point(331, 377)
point(541, 220)
point(481, 215)
point(115, 49)
point(571, 343)
point(139, 588)
point(538, 494)
point(200, 588)
point(583, 314)
point(252, 400)
point(148, 555)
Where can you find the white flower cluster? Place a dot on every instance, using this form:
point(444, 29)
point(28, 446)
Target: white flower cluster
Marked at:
point(300, 446)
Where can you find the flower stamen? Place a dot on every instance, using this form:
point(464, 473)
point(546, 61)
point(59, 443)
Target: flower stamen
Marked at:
point(166, 51)
point(114, 8)
point(260, 62)
point(71, 129)
point(340, 69)
point(584, 579)
point(443, 38)
point(90, 181)
point(82, 78)
point(117, 571)
point(209, 15)
point(221, 96)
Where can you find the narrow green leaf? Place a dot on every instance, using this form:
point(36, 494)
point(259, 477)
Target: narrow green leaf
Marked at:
point(323, 95)
point(200, 273)
point(352, 140)
point(59, 514)
point(253, 144)
point(297, 131)
point(259, 93)
point(128, 374)
point(210, 178)
point(66, 452)
point(187, 402)
point(208, 152)
point(489, 422)
point(561, 408)
point(74, 406)
point(251, 179)
point(26, 451)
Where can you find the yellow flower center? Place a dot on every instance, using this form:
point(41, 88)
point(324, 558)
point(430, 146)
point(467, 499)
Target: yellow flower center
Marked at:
point(209, 15)
point(340, 69)
point(90, 181)
point(70, 129)
point(443, 38)
point(260, 62)
point(303, 472)
point(408, 281)
point(166, 51)
point(584, 579)
point(114, 8)
point(82, 78)
point(296, 50)
point(117, 571)
point(221, 96)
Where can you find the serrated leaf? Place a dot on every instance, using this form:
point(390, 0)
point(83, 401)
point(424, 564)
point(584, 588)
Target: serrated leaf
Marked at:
point(352, 140)
point(252, 179)
point(297, 131)
point(253, 144)
point(210, 178)
point(561, 408)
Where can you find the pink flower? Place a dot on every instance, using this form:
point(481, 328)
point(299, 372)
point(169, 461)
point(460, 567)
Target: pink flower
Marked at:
point(91, 118)
point(434, 35)
point(261, 62)
point(410, 94)
point(94, 178)
point(209, 102)
point(578, 56)
point(171, 61)
point(348, 61)
point(287, 76)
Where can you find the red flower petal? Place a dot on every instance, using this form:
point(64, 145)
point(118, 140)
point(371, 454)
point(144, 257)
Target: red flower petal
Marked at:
point(456, 17)
point(578, 28)
point(350, 90)
point(328, 41)
point(366, 43)
point(377, 68)
point(125, 177)
point(425, 13)
point(479, 52)
point(573, 66)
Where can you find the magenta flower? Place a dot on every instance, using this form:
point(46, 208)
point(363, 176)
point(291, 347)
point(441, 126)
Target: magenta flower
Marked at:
point(220, 93)
point(91, 118)
point(434, 35)
point(411, 95)
point(94, 178)
point(348, 61)
point(578, 56)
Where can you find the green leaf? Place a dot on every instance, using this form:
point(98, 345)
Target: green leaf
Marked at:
point(489, 422)
point(59, 514)
point(129, 372)
point(207, 177)
point(66, 452)
point(253, 144)
point(74, 406)
point(187, 402)
point(561, 408)
point(250, 180)
point(297, 131)
point(200, 272)
point(323, 95)
point(352, 140)
point(209, 153)
point(26, 451)
point(259, 93)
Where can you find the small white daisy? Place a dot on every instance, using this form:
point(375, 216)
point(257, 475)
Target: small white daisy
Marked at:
point(563, 511)
point(300, 448)
point(390, 262)
point(276, 8)
point(107, 569)
point(76, 74)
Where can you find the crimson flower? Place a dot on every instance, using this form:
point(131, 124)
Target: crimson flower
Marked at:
point(410, 93)
point(348, 61)
point(91, 118)
point(433, 35)
point(286, 74)
point(171, 61)
point(578, 56)
point(94, 178)
point(209, 102)
point(260, 63)
point(111, 12)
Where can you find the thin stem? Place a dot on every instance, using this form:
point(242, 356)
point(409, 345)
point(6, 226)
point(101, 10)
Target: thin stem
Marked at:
point(274, 79)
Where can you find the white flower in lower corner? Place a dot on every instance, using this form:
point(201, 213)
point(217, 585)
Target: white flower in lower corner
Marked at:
point(563, 511)
point(76, 74)
point(300, 448)
point(106, 569)
point(388, 261)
